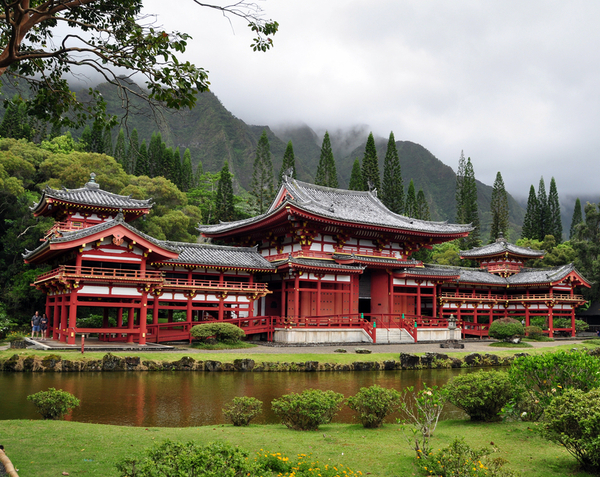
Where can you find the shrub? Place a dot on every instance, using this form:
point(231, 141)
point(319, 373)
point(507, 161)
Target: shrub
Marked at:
point(241, 410)
point(543, 377)
point(573, 420)
point(481, 395)
point(220, 331)
point(460, 460)
point(15, 336)
point(562, 322)
point(534, 332)
point(539, 321)
point(373, 404)
point(505, 329)
point(95, 321)
point(54, 403)
point(308, 410)
point(171, 459)
point(301, 466)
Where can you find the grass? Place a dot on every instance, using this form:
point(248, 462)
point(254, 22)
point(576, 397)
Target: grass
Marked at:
point(93, 449)
point(539, 338)
point(502, 344)
point(223, 345)
point(311, 354)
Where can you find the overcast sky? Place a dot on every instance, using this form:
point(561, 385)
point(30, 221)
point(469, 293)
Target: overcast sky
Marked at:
point(514, 84)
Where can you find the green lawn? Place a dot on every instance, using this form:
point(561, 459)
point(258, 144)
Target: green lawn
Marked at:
point(311, 354)
point(48, 448)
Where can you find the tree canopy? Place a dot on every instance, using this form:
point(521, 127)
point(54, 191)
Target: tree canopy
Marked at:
point(106, 37)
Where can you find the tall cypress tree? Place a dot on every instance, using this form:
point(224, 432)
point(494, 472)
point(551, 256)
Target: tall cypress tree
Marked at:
point(133, 150)
point(86, 139)
point(97, 138)
point(176, 167)
point(198, 174)
point(422, 206)
point(224, 208)
point(289, 161)
point(120, 153)
point(499, 209)
point(262, 175)
point(577, 218)
point(16, 123)
point(155, 151)
point(469, 203)
point(543, 218)
point(392, 190)
point(460, 177)
point(370, 165)
point(326, 171)
point(411, 207)
point(166, 169)
point(356, 180)
point(107, 146)
point(555, 221)
point(530, 227)
point(141, 164)
point(187, 173)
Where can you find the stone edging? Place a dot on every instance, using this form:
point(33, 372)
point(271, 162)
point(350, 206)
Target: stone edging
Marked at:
point(110, 362)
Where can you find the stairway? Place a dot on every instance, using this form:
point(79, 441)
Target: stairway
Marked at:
point(393, 335)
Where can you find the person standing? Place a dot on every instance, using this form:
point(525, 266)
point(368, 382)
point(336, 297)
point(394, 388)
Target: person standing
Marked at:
point(44, 326)
point(35, 324)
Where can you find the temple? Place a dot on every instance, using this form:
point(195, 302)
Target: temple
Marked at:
point(321, 265)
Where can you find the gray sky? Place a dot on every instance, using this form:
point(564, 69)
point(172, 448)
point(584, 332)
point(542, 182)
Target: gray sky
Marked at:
point(514, 84)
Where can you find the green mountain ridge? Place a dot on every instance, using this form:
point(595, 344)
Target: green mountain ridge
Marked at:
point(214, 135)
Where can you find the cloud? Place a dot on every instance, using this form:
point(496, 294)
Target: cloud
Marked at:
point(513, 84)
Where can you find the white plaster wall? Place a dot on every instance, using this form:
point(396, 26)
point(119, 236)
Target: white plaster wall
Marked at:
point(320, 336)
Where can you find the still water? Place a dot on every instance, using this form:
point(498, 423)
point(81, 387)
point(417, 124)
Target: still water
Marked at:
point(183, 399)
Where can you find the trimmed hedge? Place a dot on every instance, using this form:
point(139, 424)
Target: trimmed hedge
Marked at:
point(220, 331)
point(505, 329)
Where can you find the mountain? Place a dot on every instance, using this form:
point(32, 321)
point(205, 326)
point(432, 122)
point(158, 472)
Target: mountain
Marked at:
point(214, 135)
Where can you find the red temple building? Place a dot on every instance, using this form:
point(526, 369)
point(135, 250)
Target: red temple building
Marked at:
point(321, 265)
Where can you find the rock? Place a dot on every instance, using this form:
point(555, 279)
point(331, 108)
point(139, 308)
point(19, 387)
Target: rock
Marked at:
point(311, 366)
point(132, 362)
point(409, 361)
point(474, 359)
point(28, 363)
point(186, 363)
point(362, 351)
point(243, 364)
point(340, 350)
point(491, 360)
point(365, 365)
point(213, 366)
point(389, 365)
point(50, 361)
point(110, 362)
point(11, 363)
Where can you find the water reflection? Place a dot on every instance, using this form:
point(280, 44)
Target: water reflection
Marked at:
point(182, 399)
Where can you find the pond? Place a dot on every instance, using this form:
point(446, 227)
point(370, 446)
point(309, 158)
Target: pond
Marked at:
point(184, 399)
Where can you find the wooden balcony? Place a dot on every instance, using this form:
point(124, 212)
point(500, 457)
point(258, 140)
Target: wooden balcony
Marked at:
point(504, 268)
point(215, 285)
point(532, 298)
point(97, 274)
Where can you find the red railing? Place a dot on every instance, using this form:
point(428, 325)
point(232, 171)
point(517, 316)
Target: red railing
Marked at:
point(215, 284)
point(476, 329)
point(368, 251)
point(98, 273)
point(298, 254)
point(352, 321)
point(501, 267)
point(514, 298)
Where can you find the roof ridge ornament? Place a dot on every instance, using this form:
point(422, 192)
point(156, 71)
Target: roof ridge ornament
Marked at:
point(288, 174)
point(372, 188)
point(92, 184)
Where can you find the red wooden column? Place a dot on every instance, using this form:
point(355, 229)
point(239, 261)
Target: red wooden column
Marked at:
point(573, 331)
point(434, 297)
point(297, 295)
point(56, 319)
point(155, 308)
point(72, 317)
point(418, 310)
point(252, 301)
point(130, 325)
point(319, 278)
point(143, 318)
point(63, 318)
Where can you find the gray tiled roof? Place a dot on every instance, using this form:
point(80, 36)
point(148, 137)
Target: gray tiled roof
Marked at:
point(218, 255)
point(527, 276)
point(88, 231)
point(374, 259)
point(498, 247)
point(429, 270)
point(311, 262)
point(91, 194)
point(356, 207)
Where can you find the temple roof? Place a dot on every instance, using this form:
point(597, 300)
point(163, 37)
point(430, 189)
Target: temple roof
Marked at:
point(348, 206)
point(77, 235)
point(218, 256)
point(89, 195)
point(311, 263)
point(499, 247)
point(526, 276)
